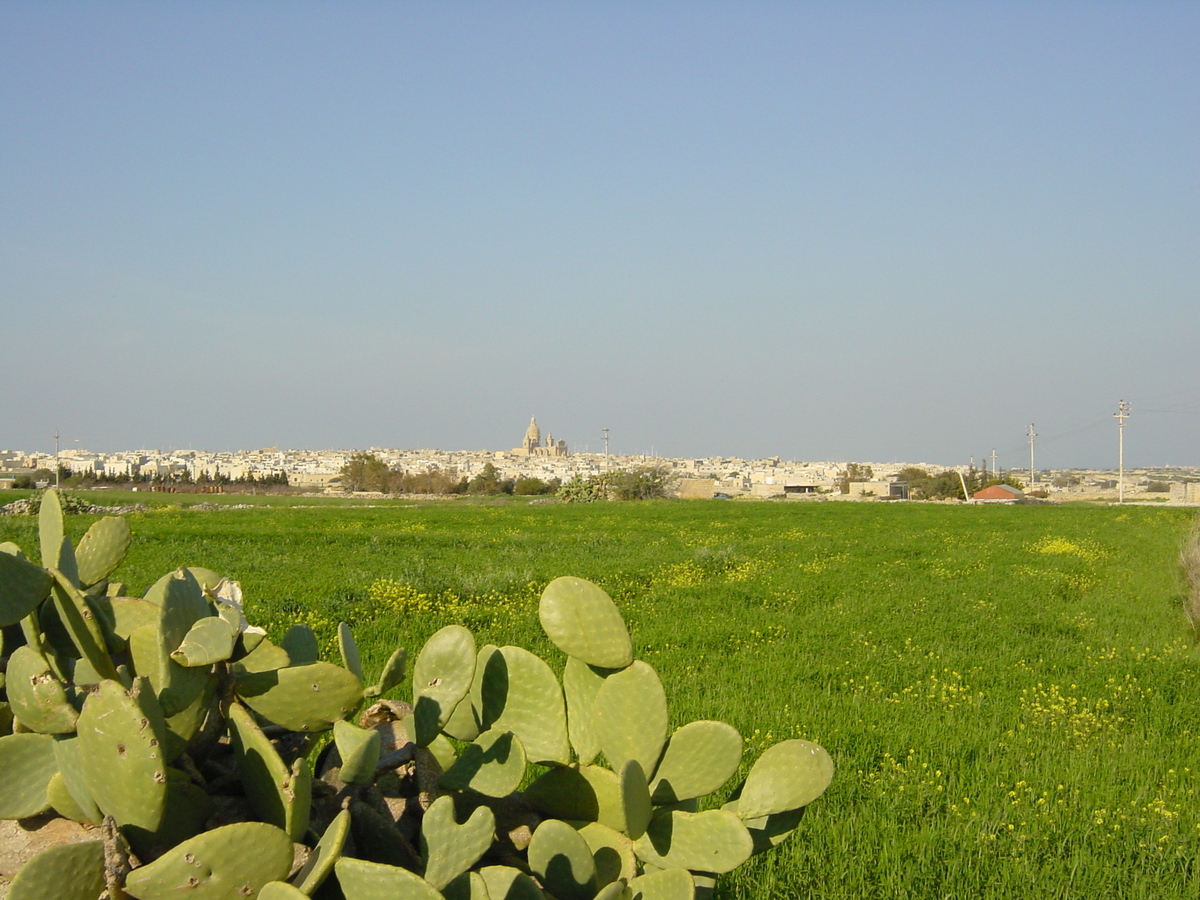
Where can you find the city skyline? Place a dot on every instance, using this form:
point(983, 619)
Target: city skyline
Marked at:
point(867, 232)
point(986, 461)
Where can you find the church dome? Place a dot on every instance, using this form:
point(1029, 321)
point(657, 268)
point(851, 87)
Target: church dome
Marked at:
point(533, 434)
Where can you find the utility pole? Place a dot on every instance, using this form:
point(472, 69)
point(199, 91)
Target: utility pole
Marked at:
point(57, 457)
point(966, 493)
point(1121, 415)
point(1032, 472)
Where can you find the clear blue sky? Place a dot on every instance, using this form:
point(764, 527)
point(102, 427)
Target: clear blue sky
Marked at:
point(872, 231)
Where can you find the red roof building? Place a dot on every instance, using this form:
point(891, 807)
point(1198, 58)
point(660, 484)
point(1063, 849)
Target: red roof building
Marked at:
point(1001, 492)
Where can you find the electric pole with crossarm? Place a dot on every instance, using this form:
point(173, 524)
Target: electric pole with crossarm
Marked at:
point(1031, 434)
point(1121, 415)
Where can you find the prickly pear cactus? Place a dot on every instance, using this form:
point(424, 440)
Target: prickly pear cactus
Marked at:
point(181, 740)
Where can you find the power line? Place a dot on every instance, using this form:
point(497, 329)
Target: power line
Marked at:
point(1057, 437)
point(1170, 394)
point(1185, 406)
point(1178, 410)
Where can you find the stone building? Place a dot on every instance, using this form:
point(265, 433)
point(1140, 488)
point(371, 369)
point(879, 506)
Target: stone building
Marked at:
point(533, 446)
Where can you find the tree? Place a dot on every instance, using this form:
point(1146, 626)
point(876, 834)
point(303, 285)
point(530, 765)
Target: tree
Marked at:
point(854, 472)
point(31, 479)
point(530, 486)
point(488, 481)
point(430, 481)
point(365, 472)
point(643, 483)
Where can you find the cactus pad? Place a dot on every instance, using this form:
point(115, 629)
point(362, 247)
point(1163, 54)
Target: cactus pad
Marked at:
point(359, 749)
point(278, 794)
point(442, 676)
point(101, 549)
point(507, 883)
point(120, 751)
point(667, 884)
point(612, 852)
point(493, 765)
point(321, 860)
point(28, 764)
point(631, 717)
point(467, 886)
point(182, 604)
point(209, 641)
point(37, 698)
point(582, 621)
point(70, 769)
point(187, 810)
point(230, 861)
point(789, 775)
point(700, 757)
point(363, 880)
point(586, 793)
point(375, 839)
point(581, 683)
point(66, 872)
point(184, 726)
point(710, 841)
point(129, 613)
point(562, 861)
point(349, 650)
point(392, 674)
point(617, 890)
point(301, 698)
point(301, 645)
point(770, 831)
point(22, 587)
point(521, 694)
point(449, 848)
point(81, 624)
point(635, 799)
point(50, 528)
point(62, 802)
point(264, 656)
point(281, 890)
point(466, 722)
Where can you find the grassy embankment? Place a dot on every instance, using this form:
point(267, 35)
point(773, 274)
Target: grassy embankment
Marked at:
point(1009, 693)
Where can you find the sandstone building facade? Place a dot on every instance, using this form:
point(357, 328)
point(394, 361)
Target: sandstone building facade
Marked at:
point(533, 446)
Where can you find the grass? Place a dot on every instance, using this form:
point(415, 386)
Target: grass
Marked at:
point(163, 500)
point(1009, 693)
point(1189, 564)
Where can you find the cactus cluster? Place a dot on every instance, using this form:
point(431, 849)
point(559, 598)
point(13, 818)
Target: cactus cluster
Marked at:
point(183, 739)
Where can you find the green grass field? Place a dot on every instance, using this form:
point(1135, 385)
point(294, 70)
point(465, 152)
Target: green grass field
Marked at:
point(1009, 693)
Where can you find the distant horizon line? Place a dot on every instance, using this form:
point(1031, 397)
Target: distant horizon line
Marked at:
point(74, 451)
